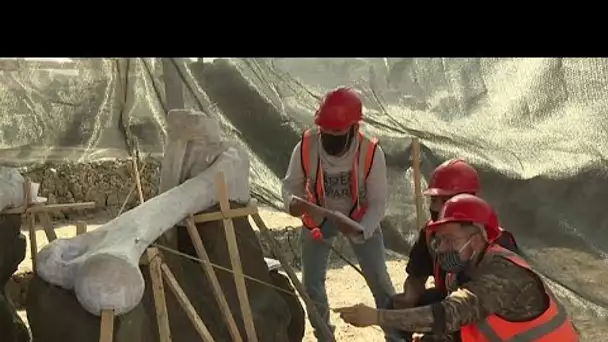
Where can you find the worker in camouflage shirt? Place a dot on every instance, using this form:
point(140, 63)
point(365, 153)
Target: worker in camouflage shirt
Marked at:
point(493, 293)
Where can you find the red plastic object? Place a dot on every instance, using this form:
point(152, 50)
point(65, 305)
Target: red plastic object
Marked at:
point(316, 234)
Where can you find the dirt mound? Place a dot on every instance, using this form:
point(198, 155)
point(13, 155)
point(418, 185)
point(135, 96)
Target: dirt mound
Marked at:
point(107, 183)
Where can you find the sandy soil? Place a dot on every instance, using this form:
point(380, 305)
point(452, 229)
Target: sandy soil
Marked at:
point(344, 285)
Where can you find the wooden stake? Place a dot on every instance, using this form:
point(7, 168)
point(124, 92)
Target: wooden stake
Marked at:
point(310, 307)
point(198, 323)
point(158, 289)
point(106, 332)
point(45, 220)
point(417, 182)
point(81, 227)
point(138, 180)
point(235, 259)
point(215, 284)
point(31, 227)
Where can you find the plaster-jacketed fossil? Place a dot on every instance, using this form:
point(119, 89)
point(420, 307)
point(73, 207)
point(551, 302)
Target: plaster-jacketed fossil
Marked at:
point(102, 266)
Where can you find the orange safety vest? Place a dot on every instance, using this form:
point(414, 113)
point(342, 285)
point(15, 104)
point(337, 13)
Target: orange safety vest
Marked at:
point(315, 189)
point(553, 325)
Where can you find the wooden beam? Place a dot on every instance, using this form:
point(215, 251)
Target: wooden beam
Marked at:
point(41, 207)
point(220, 215)
point(205, 262)
point(45, 221)
point(31, 227)
point(106, 330)
point(235, 259)
point(189, 309)
point(417, 182)
point(158, 290)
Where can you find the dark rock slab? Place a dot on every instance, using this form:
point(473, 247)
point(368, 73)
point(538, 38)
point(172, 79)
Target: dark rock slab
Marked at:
point(12, 252)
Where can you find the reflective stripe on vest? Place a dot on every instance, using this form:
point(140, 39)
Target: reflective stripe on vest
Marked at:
point(553, 325)
point(315, 190)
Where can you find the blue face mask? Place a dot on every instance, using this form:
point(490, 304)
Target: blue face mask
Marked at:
point(452, 262)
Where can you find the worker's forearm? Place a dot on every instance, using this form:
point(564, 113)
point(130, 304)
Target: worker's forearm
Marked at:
point(413, 288)
point(418, 319)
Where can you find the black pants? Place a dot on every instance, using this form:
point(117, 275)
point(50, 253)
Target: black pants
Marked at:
point(428, 297)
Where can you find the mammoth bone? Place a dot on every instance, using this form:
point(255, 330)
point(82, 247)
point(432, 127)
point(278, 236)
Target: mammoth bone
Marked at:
point(102, 266)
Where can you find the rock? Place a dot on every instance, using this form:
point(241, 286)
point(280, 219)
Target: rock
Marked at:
point(297, 324)
point(278, 316)
point(12, 252)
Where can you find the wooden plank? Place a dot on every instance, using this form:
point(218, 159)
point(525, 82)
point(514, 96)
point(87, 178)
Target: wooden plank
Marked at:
point(183, 300)
point(215, 283)
point(235, 259)
point(158, 290)
point(310, 307)
point(218, 215)
point(106, 329)
point(36, 208)
point(63, 206)
point(417, 182)
point(45, 221)
point(31, 227)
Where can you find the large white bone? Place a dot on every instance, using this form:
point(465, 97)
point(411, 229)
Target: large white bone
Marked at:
point(103, 266)
point(11, 188)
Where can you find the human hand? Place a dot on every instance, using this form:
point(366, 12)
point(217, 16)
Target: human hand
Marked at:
point(359, 315)
point(417, 337)
point(347, 229)
point(296, 207)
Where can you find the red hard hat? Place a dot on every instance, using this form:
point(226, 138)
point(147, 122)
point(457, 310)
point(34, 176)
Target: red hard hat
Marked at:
point(468, 208)
point(453, 177)
point(340, 109)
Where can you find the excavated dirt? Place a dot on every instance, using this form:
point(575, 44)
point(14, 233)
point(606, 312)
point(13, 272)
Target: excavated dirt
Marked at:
point(107, 183)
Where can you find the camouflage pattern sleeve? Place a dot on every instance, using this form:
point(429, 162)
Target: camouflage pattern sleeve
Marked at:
point(497, 286)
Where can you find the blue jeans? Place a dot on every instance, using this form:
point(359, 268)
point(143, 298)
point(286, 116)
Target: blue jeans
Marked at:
point(370, 255)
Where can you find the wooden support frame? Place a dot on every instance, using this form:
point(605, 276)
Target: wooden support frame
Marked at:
point(159, 271)
point(235, 259)
point(227, 214)
point(215, 284)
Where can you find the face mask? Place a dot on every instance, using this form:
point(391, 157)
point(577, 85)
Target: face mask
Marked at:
point(434, 215)
point(336, 144)
point(450, 261)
